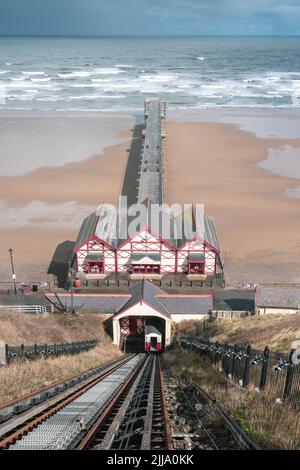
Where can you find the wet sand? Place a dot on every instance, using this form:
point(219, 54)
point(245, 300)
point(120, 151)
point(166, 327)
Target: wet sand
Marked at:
point(258, 227)
point(46, 206)
point(210, 163)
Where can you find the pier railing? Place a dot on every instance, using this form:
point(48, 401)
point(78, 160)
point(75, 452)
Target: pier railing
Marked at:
point(275, 372)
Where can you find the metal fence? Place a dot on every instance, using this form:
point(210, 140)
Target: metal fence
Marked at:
point(27, 308)
point(277, 373)
point(8, 353)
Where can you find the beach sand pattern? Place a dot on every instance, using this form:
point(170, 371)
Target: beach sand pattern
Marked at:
point(211, 163)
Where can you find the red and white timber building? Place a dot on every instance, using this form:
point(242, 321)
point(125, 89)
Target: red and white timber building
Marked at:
point(100, 250)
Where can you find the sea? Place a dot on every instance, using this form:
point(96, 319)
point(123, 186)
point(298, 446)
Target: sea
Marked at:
point(109, 74)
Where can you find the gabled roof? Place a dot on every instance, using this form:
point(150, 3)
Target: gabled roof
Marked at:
point(163, 227)
point(146, 292)
point(142, 292)
point(106, 225)
point(200, 222)
point(87, 230)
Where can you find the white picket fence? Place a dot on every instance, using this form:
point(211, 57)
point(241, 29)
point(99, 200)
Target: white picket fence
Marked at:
point(27, 308)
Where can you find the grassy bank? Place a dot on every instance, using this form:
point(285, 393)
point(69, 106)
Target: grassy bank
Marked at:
point(270, 425)
point(276, 331)
point(17, 328)
point(24, 376)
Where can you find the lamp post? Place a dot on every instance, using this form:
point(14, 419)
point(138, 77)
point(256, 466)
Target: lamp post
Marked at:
point(72, 310)
point(13, 270)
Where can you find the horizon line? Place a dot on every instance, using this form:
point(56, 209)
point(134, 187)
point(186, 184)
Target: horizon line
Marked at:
point(148, 36)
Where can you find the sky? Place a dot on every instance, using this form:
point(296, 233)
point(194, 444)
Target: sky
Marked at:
point(149, 17)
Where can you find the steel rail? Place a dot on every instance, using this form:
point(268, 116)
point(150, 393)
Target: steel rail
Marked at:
point(34, 393)
point(137, 418)
point(30, 425)
point(240, 436)
point(147, 431)
point(110, 434)
point(167, 426)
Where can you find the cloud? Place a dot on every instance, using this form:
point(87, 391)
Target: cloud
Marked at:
point(133, 17)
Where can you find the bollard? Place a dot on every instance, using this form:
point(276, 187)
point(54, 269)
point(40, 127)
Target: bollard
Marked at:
point(247, 367)
point(224, 357)
point(215, 353)
point(22, 350)
point(233, 362)
point(264, 369)
point(289, 377)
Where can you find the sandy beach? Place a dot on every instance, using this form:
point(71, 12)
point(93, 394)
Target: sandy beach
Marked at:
point(258, 226)
point(46, 205)
point(206, 162)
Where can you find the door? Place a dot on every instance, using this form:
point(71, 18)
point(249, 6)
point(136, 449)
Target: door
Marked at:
point(153, 343)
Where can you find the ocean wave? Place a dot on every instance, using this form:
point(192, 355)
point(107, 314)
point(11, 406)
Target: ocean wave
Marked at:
point(164, 78)
point(95, 97)
point(51, 98)
point(41, 79)
point(33, 73)
point(78, 74)
point(3, 72)
point(125, 66)
point(18, 79)
point(201, 58)
point(107, 71)
point(100, 80)
point(23, 85)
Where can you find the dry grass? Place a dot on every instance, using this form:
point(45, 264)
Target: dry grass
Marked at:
point(17, 328)
point(23, 376)
point(270, 425)
point(276, 331)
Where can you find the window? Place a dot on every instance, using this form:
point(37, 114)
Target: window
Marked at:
point(95, 267)
point(196, 267)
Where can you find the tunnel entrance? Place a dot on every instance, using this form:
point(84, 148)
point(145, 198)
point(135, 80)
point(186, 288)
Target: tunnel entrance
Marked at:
point(133, 330)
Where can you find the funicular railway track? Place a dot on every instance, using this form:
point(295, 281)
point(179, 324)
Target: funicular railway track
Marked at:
point(122, 407)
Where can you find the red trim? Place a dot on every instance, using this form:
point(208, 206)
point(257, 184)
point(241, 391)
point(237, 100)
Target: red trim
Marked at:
point(138, 303)
point(93, 237)
point(90, 295)
point(184, 296)
point(155, 235)
point(200, 240)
